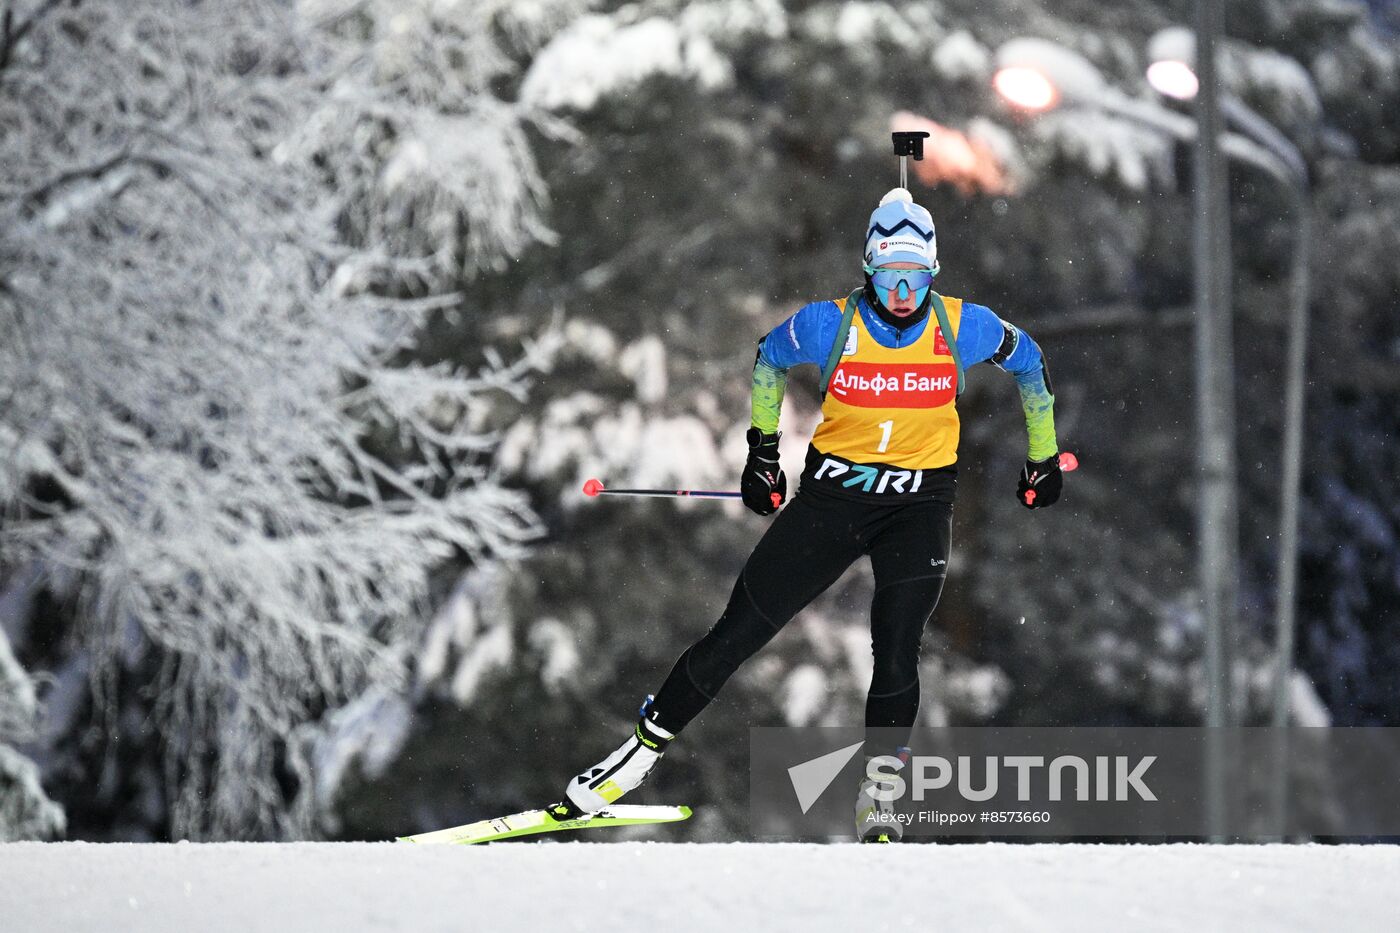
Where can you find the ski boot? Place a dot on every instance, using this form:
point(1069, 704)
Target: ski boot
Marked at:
point(876, 819)
point(623, 770)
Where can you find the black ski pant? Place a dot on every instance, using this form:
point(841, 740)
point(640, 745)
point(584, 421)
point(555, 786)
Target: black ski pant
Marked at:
point(809, 545)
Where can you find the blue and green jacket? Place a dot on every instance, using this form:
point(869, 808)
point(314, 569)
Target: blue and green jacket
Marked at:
point(808, 335)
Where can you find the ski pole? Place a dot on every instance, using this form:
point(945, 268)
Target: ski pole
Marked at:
point(1068, 463)
point(595, 487)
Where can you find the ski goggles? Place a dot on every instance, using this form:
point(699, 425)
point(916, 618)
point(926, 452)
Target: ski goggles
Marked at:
point(890, 279)
point(901, 283)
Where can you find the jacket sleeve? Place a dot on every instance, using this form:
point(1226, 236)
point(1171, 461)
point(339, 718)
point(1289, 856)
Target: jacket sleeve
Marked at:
point(984, 337)
point(805, 337)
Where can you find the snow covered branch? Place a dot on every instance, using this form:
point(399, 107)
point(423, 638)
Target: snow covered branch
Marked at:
point(25, 810)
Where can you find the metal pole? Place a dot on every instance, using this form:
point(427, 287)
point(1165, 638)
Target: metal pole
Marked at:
point(1289, 167)
point(1216, 520)
point(1285, 602)
point(1293, 173)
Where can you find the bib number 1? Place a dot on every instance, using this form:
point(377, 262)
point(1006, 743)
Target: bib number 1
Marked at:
point(886, 429)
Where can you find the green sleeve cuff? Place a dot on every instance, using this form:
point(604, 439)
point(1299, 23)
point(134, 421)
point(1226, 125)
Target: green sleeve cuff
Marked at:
point(769, 384)
point(1039, 406)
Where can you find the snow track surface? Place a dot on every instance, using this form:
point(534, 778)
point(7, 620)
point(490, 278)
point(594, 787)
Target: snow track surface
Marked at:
point(649, 886)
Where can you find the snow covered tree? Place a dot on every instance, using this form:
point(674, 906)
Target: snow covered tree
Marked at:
point(730, 152)
point(221, 225)
point(249, 251)
point(25, 810)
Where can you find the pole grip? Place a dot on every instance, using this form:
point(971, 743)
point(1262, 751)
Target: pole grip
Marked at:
point(1068, 464)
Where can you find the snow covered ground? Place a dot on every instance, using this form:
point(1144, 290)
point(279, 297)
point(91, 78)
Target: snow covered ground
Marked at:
point(651, 886)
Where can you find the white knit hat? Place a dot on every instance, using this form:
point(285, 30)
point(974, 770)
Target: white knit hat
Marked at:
point(900, 231)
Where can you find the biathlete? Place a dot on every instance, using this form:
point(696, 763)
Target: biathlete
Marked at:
point(879, 480)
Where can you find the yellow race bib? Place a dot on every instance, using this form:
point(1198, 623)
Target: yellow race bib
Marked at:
point(893, 406)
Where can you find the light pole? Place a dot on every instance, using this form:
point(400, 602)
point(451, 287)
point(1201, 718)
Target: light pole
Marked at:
point(1027, 67)
point(1218, 519)
point(1037, 75)
point(1173, 52)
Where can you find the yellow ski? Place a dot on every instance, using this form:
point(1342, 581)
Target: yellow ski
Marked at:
point(531, 822)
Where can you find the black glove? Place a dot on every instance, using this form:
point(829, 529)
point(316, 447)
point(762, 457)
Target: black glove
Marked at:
point(1045, 478)
point(762, 475)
